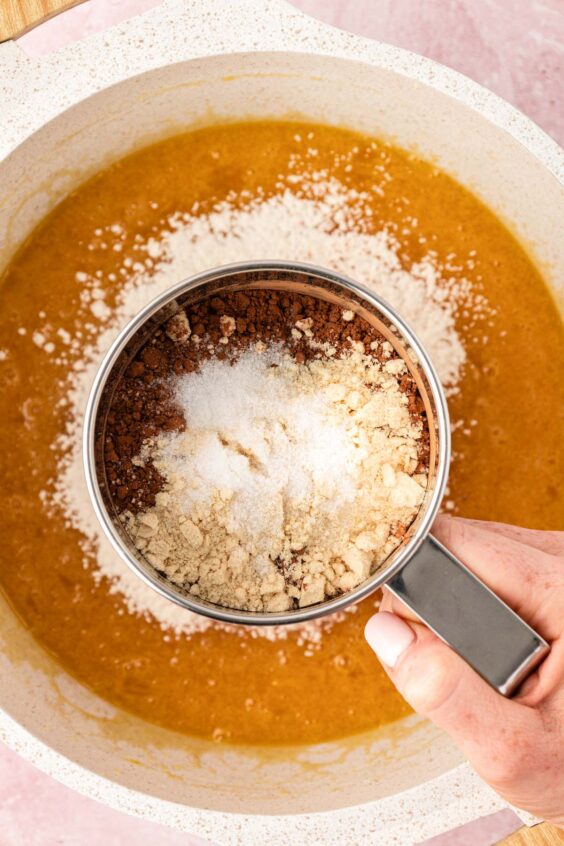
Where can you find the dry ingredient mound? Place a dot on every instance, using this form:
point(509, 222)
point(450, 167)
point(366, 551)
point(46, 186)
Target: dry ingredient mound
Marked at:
point(289, 482)
point(310, 219)
point(267, 450)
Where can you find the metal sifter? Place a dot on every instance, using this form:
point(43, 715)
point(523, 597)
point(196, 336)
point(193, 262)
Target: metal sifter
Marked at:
point(421, 572)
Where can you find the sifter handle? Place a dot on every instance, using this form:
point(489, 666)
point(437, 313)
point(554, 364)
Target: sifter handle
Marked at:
point(468, 616)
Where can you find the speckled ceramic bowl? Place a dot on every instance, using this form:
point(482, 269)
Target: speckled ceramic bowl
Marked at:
point(67, 114)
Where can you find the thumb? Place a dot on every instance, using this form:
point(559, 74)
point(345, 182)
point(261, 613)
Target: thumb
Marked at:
point(438, 684)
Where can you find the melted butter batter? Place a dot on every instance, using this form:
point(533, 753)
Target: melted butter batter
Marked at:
point(241, 689)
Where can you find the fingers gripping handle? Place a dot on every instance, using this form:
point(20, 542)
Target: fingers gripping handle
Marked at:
point(467, 615)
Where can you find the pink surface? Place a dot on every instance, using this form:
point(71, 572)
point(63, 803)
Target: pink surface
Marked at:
point(512, 47)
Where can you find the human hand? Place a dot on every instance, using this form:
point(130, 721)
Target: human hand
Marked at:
point(516, 745)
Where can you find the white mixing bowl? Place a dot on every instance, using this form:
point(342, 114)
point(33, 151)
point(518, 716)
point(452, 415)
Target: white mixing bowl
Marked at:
point(66, 115)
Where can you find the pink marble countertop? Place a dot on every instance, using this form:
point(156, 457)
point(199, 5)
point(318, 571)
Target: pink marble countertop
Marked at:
point(510, 46)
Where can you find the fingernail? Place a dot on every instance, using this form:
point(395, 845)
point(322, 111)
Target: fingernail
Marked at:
point(388, 636)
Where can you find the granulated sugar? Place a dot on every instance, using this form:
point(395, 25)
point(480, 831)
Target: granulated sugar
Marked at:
point(231, 402)
point(323, 226)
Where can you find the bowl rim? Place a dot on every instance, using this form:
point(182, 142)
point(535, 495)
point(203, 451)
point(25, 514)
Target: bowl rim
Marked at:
point(300, 34)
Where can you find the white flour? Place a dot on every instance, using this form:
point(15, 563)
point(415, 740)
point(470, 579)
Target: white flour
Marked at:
point(317, 224)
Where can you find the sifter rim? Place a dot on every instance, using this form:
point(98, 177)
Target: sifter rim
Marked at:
point(300, 615)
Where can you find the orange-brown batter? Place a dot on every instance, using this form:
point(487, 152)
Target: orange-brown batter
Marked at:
point(242, 689)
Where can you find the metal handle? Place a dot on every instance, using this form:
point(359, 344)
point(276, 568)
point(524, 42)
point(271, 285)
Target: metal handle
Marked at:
point(467, 615)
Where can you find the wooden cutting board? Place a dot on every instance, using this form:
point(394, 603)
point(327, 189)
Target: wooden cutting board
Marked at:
point(17, 16)
point(538, 835)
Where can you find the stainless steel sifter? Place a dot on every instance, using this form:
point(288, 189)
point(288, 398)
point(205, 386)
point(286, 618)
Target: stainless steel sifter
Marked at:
point(421, 572)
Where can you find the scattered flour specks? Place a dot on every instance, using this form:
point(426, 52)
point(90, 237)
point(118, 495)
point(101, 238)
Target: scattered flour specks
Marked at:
point(320, 222)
